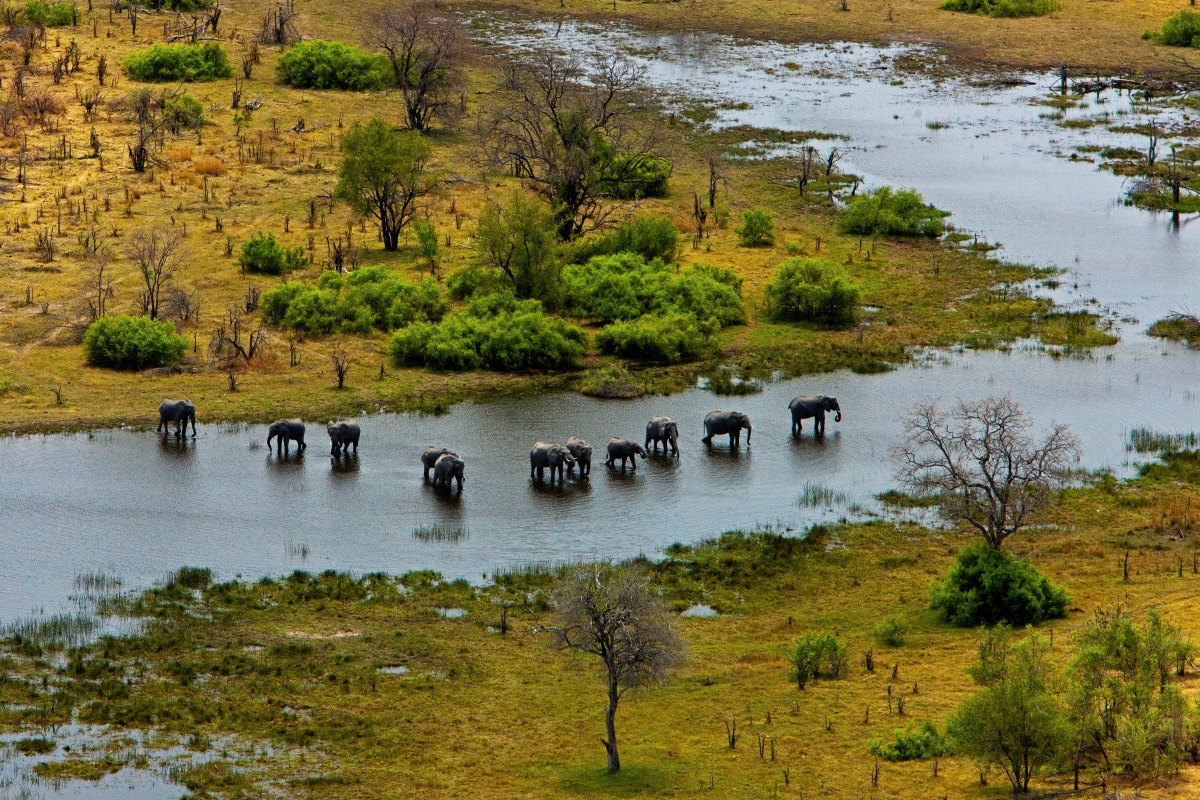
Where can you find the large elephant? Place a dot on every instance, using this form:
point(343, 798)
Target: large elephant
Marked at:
point(664, 430)
point(554, 456)
point(431, 455)
point(286, 431)
point(341, 436)
point(179, 412)
point(581, 451)
point(719, 423)
point(813, 406)
point(625, 450)
point(448, 467)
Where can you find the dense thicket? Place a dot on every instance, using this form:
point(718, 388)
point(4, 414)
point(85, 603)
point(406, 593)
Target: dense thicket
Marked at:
point(125, 342)
point(161, 63)
point(625, 286)
point(331, 65)
point(887, 212)
point(363, 300)
point(988, 585)
point(810, 289)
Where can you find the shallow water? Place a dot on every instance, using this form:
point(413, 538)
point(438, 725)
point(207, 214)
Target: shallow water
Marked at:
point(140, 505)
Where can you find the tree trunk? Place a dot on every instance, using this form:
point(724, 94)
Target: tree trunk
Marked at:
point(610, 723)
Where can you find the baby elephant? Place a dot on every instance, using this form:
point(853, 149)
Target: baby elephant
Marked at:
point(341, 436)
point(448, 467)
point(664, 430)
point(554, 456)
point(286, 431)
point(179, 412)
point(431, 455)
point(624, 450)
point(582, 453)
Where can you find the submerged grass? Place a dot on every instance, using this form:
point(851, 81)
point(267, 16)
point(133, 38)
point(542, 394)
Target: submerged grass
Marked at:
point(440, 533)
point(1147, 440)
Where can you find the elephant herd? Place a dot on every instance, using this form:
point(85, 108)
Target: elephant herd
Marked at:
point(560, 459)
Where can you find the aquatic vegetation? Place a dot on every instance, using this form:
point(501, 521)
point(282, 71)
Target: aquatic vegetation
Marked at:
point(890, 212)
point(727, 383)
point(816, 495)
point(612, 380)
point(1146, 440)
point(1179, 327)
point(439, 532)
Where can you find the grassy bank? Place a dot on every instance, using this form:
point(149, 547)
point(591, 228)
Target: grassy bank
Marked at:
point(361, 687)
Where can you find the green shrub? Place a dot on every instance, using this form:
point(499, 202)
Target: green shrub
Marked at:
point(632, 177)
point(471, 281)
point(496, 332)
point(33, 747)
point(662, 338)
point(812, 651)
point(625, 286)
point(264, 256)
point(183, 111)
point(758, 228)
point(988, 586)
point(808, 289)
point(371, 297)
point(125, 342)
point(1002, 8)
point(892, 631)
point(649, 237)
point(58, 15)
point(910, 744)
point(427, 241)
point(1179, 30)
point(331, 65)
point(886, 212)
point(161, 63)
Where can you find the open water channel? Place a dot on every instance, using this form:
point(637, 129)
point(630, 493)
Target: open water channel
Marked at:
point(132, 505)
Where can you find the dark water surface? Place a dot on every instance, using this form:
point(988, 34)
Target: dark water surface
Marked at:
point(135, 505)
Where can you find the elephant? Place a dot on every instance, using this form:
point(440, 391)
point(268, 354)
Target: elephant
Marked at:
point(447, 468)
point(554, 456)
point(625, 450)
point(431, 455)
point(815, 407)
point(719, 423)
point(287, 431)
point(581, 451)
point(177, 411)
point(665, 430)
point(341, 436)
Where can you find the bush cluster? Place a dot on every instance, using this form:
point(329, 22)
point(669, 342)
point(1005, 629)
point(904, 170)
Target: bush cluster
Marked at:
point(58, 15)
point(1179, 30)
point(125, 342)
point(633, 177)
point(662, 338)
point(924, 741)
point(625, 286)
point(1002, 8)
point(758, 228)
point(331, 65)
point(887, 212)
point(809, 289)
point(183, 111)
point(649, 237)
point(814, 651)
point(366, 299)
point(161, 63)
point(497, 332)
point(263, 255)
point(988, 586)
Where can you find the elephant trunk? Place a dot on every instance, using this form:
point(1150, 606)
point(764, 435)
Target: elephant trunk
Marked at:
point(749, 430)
point(838, 416)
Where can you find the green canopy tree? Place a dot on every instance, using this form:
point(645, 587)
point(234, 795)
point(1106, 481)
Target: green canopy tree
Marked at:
point(383, 174)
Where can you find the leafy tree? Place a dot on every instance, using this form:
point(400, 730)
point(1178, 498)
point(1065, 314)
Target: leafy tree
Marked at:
point(758, 228)
point(811, 651)
point(182, 111)
point(427, 241)
point(330, 65)
point(887, 212)
point(809, 289)
point(425, 50)
point(573, 133)
point(125, 342)
point(613, 614)
point(988, 585)
point(1014, 721)
point(384, 174)
point(981, 460)
point(520, 242)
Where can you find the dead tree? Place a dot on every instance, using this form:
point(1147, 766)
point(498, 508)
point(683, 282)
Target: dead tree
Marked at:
point(613, 614)
point(232, 346)
point(279, 26)
point(341, 364)
point(983, 464)
point(156, 255)
point(425, 49)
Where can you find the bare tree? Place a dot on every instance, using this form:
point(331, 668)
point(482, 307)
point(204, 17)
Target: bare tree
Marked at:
point(424, 49)
point(574, 133)
point(612, 613)
point(229, 349)
point(341, 364)
point(157, 255)
point(983, 462)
